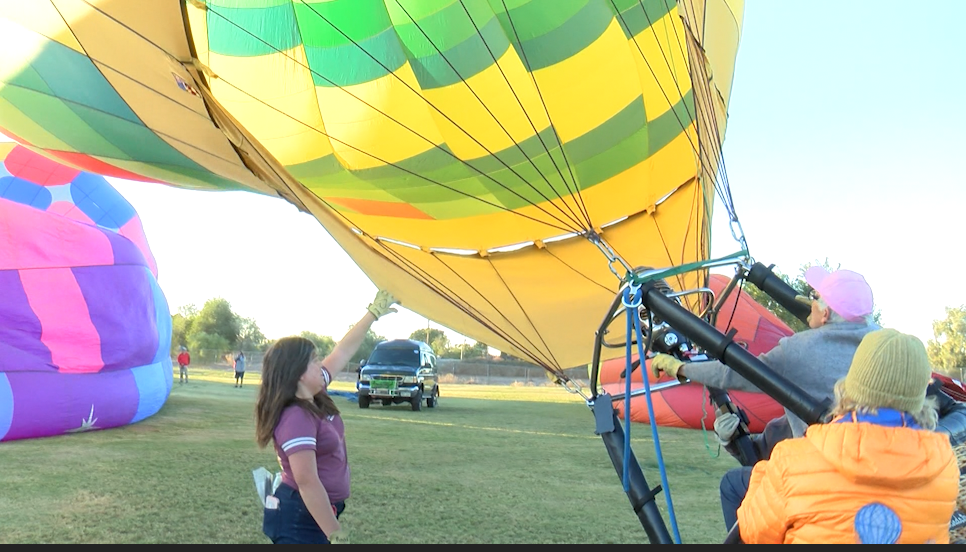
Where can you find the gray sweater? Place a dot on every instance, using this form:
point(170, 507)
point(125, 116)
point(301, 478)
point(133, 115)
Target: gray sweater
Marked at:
point(812, 359)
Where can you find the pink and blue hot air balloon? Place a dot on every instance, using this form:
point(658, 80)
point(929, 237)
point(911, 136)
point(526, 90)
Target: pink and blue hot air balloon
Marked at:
point(85, 331)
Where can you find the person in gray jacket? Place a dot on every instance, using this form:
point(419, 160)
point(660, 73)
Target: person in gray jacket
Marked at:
point(814, 359)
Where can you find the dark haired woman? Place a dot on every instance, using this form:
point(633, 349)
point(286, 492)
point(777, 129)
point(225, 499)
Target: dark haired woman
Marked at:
point(295, 412)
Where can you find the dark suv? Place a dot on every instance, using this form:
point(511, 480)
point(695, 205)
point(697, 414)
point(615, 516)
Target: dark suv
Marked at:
point(399, 371)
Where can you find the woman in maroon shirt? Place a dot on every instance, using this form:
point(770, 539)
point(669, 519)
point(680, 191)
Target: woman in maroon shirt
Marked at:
point(295, 412)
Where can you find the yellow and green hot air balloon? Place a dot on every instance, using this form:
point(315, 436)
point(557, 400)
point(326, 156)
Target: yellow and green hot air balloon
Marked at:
point(496, 164)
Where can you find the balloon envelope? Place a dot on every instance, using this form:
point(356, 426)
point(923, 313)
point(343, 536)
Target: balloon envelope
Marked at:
point(488, 161)
point(85, 330)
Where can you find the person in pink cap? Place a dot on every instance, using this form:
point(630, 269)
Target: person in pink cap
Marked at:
point(813, 359)
point(846, 290)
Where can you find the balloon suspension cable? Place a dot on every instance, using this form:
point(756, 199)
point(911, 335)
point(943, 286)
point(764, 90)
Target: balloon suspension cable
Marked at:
point(613, 258)
point(738, 233)
point(572, 386)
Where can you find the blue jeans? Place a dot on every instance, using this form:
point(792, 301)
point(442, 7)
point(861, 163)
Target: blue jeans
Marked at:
point(291, 522)
point(733, 488)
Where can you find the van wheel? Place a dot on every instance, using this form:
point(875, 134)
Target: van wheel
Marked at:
point(432, 401)
point(363, 401)
point(417, 401)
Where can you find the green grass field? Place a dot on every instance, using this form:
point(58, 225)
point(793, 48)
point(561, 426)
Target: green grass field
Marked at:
point(490, 465)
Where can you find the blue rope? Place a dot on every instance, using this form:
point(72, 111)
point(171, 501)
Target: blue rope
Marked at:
point(633, 320)
point(630, 304)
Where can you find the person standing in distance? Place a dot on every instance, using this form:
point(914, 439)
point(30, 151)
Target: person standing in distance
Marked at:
point(184, 359)
point(239, 369)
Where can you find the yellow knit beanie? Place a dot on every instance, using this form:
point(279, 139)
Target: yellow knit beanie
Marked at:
point(889, 370)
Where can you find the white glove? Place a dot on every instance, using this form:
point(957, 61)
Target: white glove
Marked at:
point(725, 427)
point(382, 304)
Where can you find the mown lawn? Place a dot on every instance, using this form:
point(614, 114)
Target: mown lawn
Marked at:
point(490, 465)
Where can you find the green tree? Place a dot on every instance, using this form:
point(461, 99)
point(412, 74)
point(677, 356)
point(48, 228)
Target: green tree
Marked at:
point(452, 352)
point(217, 318)
point(323, 343)
point(947, 351)
point(368, 344)
point(250, 336)
point(477, 350)
point(433, 337)
point(188, 311)
point(208, 347)
point(179, 332)
point(181, 326)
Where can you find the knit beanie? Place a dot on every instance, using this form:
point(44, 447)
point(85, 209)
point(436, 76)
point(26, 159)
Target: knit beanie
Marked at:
point(889, 370)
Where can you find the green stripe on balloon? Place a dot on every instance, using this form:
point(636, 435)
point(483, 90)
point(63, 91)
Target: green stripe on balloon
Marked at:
point(354, 20)
point(540, 46)
point(252, 31)
point(613, 147)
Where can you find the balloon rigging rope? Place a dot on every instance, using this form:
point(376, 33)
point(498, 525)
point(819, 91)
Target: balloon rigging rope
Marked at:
point(401, 168)
point(566, 227)
point(449, 294)
point(526, 315)
point(667, 62)
point(723, 188)
point(572, 192)
point(429, 104)
point(545, 110)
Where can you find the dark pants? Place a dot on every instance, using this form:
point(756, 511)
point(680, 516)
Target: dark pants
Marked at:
point(239, 378)
point(733, 488)
point(291, 522)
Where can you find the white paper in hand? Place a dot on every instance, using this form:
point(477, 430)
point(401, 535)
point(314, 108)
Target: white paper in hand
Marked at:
point(264, 484)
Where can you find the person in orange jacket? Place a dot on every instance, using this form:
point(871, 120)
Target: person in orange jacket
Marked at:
point(184, 359)
point(877, 473)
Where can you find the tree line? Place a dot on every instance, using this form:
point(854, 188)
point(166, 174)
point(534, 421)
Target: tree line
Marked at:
point(216, 330)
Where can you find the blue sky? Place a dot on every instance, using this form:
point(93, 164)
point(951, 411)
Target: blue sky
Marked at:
point(845, 127)
point(845, 130)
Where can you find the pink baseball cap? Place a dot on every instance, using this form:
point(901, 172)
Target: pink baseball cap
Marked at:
point(844, 291)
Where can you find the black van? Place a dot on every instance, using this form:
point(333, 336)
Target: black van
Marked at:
point(399, 371)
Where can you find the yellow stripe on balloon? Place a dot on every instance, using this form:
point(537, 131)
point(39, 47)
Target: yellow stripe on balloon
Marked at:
point(198, 23)
point(593, 85)
point(462, 106)
point(664, 69)
point(273, 97)
point(377, 122)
